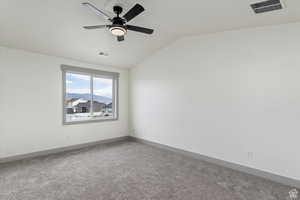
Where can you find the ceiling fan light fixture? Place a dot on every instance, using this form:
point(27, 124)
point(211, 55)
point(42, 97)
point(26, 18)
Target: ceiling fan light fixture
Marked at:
point(118, 31)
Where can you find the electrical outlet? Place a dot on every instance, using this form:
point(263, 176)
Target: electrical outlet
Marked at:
point(133, 132)
point(250, 155)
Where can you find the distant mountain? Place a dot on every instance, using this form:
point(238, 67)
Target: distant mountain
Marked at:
point(101, 99)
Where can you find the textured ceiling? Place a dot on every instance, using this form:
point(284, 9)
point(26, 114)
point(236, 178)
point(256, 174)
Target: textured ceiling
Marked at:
point(54, 27)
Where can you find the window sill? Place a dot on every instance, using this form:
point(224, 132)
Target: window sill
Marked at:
point(90, 121)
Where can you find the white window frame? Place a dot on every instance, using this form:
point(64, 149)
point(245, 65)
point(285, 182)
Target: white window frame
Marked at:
point(92, 73)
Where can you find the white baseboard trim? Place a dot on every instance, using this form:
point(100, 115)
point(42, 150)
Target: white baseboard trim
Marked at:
point(60, 150)
point(241, 168)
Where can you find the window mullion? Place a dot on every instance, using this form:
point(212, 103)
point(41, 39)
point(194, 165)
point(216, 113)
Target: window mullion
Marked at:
point(92, 97)
point(113, 98)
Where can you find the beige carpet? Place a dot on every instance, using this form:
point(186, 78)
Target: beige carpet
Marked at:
point(129, 171)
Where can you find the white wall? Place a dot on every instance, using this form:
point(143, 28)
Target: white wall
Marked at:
point(31, 105)
point(225, 95)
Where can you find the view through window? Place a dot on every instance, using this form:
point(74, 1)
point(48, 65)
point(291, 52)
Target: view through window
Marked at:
point(89, 97)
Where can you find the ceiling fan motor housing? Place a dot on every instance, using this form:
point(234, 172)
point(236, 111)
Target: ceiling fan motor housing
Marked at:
point(118, 21)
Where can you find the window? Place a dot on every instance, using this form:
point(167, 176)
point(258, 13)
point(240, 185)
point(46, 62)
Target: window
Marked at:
point(89, 95)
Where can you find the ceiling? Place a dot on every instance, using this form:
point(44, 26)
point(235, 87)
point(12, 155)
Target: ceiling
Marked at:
point(54, 27)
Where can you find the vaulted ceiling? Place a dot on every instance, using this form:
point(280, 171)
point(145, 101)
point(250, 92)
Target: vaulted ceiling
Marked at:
point(54, 27)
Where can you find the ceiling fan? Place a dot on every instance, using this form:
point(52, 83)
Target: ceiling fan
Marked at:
point(119, 26)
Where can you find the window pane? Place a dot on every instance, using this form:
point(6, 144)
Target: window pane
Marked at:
point(78, 97)
point(103, 98)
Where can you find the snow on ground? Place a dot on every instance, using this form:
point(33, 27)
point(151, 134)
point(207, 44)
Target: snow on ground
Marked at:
point(88, 116)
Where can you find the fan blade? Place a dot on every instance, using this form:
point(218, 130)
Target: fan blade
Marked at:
point(133, 12)
point(95, 27)
point(140, 29)
point(97, 10)
point(120, 38)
